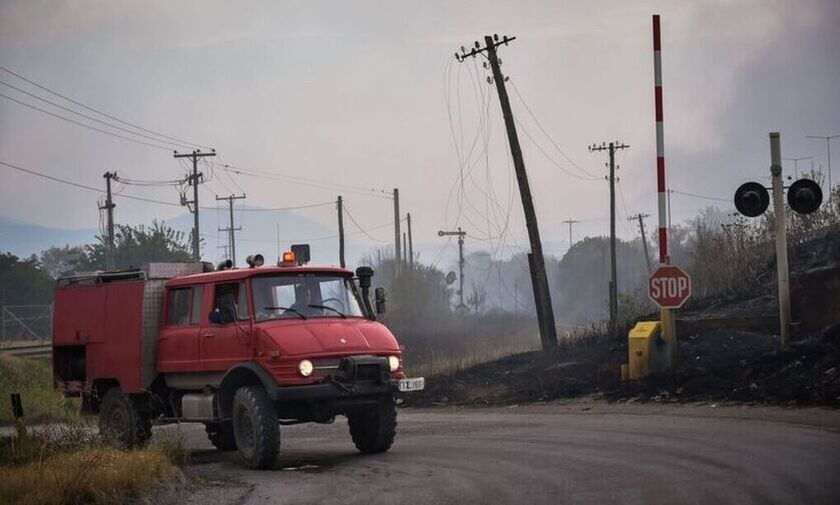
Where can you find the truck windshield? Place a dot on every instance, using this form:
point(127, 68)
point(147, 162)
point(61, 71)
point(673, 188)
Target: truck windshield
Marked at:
point(304, 296)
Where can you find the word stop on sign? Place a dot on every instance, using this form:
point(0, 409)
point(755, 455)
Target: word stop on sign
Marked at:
point(669, 287)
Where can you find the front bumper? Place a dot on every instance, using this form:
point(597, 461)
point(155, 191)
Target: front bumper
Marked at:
point(330, 390)
point(357, 377)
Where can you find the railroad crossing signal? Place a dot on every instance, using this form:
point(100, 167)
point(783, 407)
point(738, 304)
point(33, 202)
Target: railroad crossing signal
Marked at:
point(804, 196)
point(752, 199)
point(669, 287)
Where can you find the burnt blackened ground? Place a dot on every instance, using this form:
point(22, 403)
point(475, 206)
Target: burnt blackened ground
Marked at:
point(735, 366)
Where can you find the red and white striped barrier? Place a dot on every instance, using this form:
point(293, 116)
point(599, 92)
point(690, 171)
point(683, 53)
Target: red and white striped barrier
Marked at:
point(660, 143)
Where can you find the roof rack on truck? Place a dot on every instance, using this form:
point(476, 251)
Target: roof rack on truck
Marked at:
point(154, 270)
point(99, 277)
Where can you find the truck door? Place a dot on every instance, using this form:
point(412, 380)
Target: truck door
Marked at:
point(225, 341)
point(177, 348)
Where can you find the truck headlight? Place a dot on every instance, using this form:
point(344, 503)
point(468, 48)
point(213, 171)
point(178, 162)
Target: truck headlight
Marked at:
point(393, 363)
point(305, 368)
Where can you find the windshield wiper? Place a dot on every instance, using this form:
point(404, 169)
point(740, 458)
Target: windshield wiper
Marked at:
point(329, 308)
point(289, 309)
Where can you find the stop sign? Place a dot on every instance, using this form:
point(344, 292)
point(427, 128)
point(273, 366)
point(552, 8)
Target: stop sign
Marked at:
point(669, 287)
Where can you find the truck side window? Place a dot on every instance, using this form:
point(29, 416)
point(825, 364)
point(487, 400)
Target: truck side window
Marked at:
point(195, 316)
point(178, 308)
point(230, 300)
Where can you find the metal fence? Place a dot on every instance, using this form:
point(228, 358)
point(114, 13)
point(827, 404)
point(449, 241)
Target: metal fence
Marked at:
point(25, 324)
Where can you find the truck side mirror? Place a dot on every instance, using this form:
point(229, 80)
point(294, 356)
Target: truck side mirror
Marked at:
point(379, 295)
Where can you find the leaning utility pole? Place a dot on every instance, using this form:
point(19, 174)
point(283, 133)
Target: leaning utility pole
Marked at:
point(230, 229)
point(340, 207)
point(194, 179)
point(571, 222)
point(536, 261)
point(460, 234)
point(612, 147)
point(109, 209)
point(397, 255)
point(641, 218)
point(410, 242)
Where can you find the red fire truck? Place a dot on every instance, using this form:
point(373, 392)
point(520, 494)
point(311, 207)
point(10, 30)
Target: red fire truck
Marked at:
point(242, 350)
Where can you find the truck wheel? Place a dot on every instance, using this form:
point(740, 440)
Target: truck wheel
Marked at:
point(255, 427)
point(120, 423)
point(221, 436)
point(373, 429)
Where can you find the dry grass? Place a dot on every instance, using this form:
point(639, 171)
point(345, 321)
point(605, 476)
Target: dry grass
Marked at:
point(97, 475)
point(68, 464)
point(443, 363)
point(447, 362)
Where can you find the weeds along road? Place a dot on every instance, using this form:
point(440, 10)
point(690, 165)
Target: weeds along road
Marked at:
point(545, 454)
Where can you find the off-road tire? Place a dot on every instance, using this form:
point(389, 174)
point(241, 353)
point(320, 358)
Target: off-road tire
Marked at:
point(120, 423)
point(373, 428)
point(221, 436)
point(255, 427)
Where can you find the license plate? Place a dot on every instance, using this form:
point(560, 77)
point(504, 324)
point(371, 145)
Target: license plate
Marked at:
point(414, 384)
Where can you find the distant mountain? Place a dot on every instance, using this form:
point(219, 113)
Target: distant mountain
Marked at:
point(24, 239)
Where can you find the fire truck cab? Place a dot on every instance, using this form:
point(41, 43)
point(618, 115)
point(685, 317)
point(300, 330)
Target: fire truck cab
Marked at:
point(241, 350)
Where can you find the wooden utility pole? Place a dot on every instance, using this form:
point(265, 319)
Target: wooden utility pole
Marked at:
point(108, 207)
point(194, 179)
point(410, 242)
point(781, 238)
point(612, 147)
point(397, 255)
point(405, 248)
point(460, 234)
point(539, 278)
point(570, 222)
point(340, 208)
point(641, 218)
point(230, 229)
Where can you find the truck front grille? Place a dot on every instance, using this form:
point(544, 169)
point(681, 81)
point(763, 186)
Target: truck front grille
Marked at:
point(367, 372)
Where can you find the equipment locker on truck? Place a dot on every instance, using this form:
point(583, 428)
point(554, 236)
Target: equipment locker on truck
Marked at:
point(242, 350)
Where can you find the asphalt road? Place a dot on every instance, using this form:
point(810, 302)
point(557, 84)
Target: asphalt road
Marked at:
point(551, 454)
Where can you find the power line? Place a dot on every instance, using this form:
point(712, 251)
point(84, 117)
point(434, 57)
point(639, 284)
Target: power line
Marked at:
point(552, 160)
point(105, 114)
point(295, 207)
point(308, 239)
point(91, 118)
point(59, 116)
point(540, 126)
point(706, 197)
point(149, 200)
point(141, 182)
point(84, 186)
point(303, 181)
point(362, 230)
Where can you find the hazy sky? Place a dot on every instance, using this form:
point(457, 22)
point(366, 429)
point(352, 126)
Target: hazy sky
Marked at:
point(355, 93)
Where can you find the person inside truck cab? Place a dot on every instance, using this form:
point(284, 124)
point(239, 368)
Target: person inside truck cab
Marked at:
point(229, 303)
point(307, 297)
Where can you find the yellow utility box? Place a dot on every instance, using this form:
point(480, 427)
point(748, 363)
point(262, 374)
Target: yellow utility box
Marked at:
point(648, 350)
point(641, 346)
